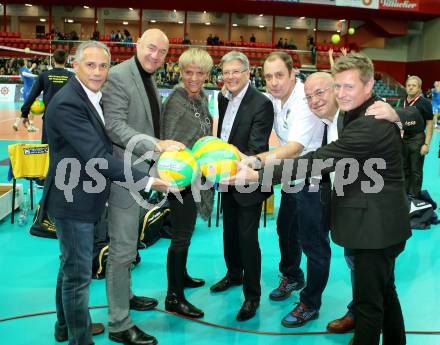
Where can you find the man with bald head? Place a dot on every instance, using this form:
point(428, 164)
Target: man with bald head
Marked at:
point(131, 107)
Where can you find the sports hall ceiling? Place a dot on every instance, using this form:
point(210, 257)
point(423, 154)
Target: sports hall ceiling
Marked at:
point(428, 9)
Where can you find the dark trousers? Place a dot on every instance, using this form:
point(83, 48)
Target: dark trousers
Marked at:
point(74, 277)
point(241, 248)
point(350, 262)
point(413, 163)
point(303, 226)
point(183, 220)
point(376, 304)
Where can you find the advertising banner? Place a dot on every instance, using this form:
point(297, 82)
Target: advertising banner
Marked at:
point(7, 92)
point(399, 5)
point(371, 4)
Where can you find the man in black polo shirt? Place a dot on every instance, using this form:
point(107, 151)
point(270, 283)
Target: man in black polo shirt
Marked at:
point(416, 141)
point(50, 82)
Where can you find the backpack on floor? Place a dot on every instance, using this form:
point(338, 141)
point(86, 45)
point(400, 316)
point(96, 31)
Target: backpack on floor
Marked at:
point(152, 223)
point(421, 211)
point(42, 226)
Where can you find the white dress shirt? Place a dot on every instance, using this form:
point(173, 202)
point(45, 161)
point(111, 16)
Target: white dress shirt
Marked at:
point(231, 113)
point(95, 98)
point(332, 135)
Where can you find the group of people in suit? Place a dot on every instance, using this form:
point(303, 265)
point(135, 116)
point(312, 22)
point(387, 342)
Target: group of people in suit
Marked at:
point(93, 151)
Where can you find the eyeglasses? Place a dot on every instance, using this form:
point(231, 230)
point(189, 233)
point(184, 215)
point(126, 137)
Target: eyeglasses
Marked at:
point(234, 74)
point(317, 94)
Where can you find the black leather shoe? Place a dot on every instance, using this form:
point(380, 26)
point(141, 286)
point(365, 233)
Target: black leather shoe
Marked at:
point(133, 336)
point(182, 306)
point(143, 303)
point(248, 310)
point(226, 283)
point(190, 282)
point(61, 333)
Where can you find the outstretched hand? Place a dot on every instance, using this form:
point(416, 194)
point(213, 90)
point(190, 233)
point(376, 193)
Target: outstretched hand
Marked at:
point(244, 176)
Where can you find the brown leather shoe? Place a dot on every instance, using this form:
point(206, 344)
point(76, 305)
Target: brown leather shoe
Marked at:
point(61, 334)
point(343, 325)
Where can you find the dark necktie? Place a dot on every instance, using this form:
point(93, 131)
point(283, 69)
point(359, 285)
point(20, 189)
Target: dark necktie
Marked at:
point(325, 176)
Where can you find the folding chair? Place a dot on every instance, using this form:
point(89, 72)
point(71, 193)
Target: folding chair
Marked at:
point(29, 161)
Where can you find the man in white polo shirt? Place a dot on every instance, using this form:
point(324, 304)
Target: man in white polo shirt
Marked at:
point(303, 222)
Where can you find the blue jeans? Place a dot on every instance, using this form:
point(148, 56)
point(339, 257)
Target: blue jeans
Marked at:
point(74, 277)
point(303, 226)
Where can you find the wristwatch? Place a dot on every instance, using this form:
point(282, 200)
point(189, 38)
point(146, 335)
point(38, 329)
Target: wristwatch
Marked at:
point(258, 163)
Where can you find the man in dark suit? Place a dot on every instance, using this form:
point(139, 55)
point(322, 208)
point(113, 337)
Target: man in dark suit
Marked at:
point(322, 102)
point(369, 213)
point(245, 121)
point(78, 184)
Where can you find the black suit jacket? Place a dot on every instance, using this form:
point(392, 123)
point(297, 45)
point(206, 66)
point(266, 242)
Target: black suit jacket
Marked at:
point(76, 132)
point(362, 220)
point(250, 132)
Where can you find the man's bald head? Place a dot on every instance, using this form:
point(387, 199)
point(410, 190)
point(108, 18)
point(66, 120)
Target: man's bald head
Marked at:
point(318, 89)
point(152, 49)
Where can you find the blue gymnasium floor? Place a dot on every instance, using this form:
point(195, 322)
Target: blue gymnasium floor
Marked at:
point(28, 267)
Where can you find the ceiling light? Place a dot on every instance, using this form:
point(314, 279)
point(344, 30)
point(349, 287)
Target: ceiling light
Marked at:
point(131, 9)
point(28, 5)
point(287, 27)
point(342, 20)
point(180, 22)
point(261, 26)
point(174, 11)
point(302, 17)
point(125, 23)
point(234, 24)
point(261, 15)
point(97, 21)
point(86, 7)
point(204, 11)
point(70, 20)
point(338, 30)
point(314, 29)
point(42, 20)
point(208, 23)
point(153, 20)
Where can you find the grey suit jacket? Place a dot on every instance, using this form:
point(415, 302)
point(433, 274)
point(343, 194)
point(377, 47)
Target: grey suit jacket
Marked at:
point(127, 113)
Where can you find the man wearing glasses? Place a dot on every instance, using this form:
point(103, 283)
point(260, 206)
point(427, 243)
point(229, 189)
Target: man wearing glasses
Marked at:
point(302, 223)
point(245, 121)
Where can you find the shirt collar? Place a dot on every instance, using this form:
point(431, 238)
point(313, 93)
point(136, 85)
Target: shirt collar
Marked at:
point(296, 91)
point(95, 97)
point(240, 96)
point(335, 118)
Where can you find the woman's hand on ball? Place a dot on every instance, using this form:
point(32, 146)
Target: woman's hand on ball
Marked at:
point(168, 145)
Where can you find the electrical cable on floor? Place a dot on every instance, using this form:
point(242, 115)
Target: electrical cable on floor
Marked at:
point(212, 324)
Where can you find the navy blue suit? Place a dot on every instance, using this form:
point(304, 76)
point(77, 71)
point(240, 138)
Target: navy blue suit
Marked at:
point(76, 134)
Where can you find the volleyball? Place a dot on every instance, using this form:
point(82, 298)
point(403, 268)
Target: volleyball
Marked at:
point(177, 167)
point(351, 31)
point(218, 161)
point(336, 38)
point(27, 50)
point(205, 144)
point(37, 108)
